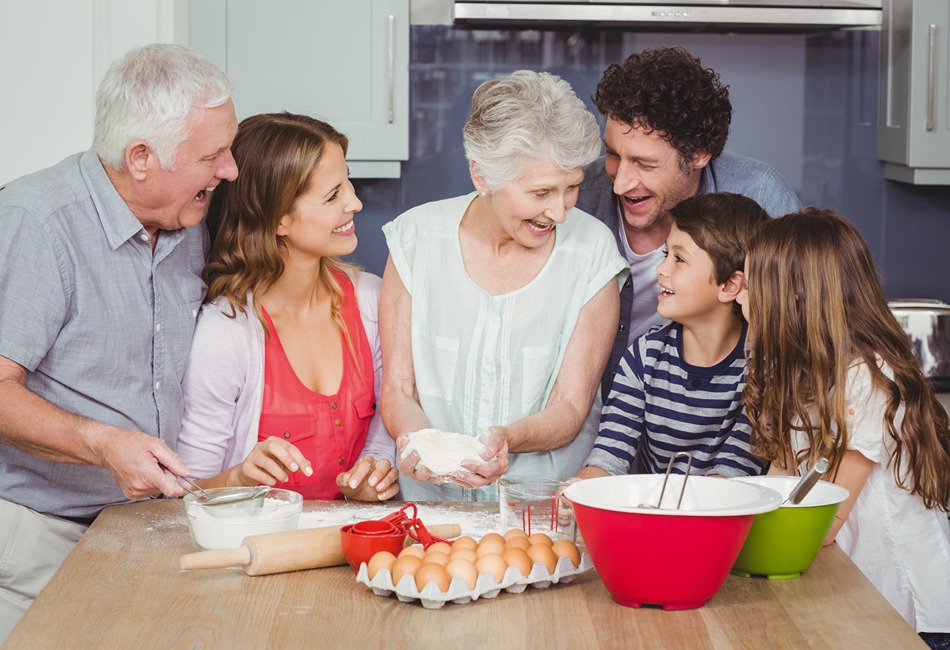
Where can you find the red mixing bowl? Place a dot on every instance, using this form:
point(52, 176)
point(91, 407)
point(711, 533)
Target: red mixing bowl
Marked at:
point(676, 558)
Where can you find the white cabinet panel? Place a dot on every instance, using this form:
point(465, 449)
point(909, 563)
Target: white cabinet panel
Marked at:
point(914, 107)
point(346, 63)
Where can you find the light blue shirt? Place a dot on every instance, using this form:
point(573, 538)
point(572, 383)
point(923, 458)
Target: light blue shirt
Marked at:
point(483, 360)
point(101, 323)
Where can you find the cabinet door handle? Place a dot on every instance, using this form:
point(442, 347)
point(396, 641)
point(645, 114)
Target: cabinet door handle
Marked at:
point(931, 75)
point(391, 67)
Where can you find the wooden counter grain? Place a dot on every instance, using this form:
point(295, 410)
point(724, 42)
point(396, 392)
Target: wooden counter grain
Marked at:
point(121, 588)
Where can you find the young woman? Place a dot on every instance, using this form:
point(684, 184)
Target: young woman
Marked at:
point(832, 374)
point(282, 383)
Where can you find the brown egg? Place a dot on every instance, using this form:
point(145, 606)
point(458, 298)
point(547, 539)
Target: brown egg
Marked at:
point(542, 553)
point(492, 564)
point(540, 538)
point(519, 559)
point(518, 542)
point(436, 558)
point(380, 561)
point(439, 547)
point(464, 542)
point(431, 572)
point(566, 548)
point(459, 568)
point(467, 554)
point(405, 566)
point(491, 537)
point(415, 550)
point(515, 532)
point(488, 545)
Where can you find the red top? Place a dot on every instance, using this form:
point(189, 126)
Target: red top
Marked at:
point(329, 430)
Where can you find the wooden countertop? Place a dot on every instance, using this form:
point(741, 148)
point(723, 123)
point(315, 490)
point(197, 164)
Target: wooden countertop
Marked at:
point(121, 587)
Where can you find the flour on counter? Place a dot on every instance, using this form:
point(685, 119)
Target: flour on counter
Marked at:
point(442, 452)
point(473, 524)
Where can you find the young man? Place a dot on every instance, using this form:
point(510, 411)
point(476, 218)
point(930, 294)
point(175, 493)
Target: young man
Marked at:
point(667, 121)
point(100, 264)
point(679, 388)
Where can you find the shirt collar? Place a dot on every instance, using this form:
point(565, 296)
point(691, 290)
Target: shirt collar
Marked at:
point(118, 222)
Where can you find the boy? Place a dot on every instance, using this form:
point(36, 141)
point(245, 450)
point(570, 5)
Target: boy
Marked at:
point(679, 387)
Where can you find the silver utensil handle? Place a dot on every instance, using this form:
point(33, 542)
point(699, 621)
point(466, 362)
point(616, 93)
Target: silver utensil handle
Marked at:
point(808, 481)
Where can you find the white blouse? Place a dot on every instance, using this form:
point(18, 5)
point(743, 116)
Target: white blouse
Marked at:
point(483, 360)
point(902, 547)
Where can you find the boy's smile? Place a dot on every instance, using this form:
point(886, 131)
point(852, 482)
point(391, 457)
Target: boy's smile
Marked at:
point(688, 289)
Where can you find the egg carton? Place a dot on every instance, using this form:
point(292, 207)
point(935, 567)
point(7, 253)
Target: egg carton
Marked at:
point(485, 585)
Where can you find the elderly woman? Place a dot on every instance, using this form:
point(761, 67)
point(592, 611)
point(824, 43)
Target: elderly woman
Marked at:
point(498, 308)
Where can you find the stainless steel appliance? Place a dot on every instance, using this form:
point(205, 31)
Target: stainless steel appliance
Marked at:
point(689, 15)
point(927, 324)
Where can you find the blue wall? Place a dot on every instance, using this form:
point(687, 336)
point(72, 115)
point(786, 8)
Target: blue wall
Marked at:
point(806, 104)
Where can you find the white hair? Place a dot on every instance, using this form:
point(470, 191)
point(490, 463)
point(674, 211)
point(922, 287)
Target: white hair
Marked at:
point(148, 95)
point(524, 117)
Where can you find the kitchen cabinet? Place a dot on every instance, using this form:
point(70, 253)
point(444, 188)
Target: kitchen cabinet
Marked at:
point(346, 63)
point(914, 98)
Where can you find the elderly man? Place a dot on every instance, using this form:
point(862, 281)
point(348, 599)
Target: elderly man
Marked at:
point(100, 263)
point(667, 121)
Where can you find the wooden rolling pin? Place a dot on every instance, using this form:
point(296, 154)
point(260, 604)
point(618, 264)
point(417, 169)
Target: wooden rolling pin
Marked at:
point(309, 548)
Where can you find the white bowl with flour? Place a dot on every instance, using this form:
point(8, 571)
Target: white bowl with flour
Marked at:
point(226, 526)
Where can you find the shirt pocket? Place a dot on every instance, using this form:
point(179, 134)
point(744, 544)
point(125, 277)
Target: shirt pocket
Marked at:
point(538, 362)
point(437, 366)
point(187, 317)
point(364, 405)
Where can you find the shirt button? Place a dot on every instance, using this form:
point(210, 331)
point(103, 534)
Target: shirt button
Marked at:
point(696, 383)
point(338, 422)
point(626, 285)
point(158, 327)
point(341, 461)
point(143, 237)
point(158, 385)
point(332, 405)
point(286, 434)
point(622, 328)
point(373, 406)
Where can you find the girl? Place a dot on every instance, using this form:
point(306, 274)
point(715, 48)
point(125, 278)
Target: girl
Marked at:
point(285, 366)
point(831, 374)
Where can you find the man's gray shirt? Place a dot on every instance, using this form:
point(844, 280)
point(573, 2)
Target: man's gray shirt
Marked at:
point(102, 324)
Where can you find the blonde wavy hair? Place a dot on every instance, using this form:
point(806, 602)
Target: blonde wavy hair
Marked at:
point(816, 308)
point(276, 155)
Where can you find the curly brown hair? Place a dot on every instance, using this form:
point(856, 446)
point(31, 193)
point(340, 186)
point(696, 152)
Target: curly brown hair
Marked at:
point(668, 90)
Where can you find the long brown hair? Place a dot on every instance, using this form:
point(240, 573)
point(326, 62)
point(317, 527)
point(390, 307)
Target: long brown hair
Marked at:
point(276, 155)
point(816, 308)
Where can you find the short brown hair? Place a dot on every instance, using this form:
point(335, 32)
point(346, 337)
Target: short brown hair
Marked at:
point(722, 225)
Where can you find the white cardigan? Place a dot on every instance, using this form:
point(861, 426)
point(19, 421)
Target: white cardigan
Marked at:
point(224, 385)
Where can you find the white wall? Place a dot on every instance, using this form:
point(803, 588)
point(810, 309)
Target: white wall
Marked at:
point(53, 54)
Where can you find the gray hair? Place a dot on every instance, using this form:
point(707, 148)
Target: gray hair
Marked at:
point(148, 95)
point(524, 117)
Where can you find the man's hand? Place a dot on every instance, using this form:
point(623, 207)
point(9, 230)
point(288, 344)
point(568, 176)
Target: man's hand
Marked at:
point(134, 459)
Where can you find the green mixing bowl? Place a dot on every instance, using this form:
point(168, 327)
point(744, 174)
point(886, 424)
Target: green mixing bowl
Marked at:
point(784, 542)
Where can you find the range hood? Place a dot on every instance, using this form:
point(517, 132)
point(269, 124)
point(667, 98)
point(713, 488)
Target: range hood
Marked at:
point(686, 15)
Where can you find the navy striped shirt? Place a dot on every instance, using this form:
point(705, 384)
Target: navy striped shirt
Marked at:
point(659, 405)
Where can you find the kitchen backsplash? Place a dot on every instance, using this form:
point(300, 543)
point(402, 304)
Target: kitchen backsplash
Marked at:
point(806, 104)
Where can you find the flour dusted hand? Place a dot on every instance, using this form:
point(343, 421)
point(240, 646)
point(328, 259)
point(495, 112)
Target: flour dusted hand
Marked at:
point(442, 452)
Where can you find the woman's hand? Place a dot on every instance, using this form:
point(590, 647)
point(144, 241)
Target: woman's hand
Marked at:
point(495, 460)
point(370, 479)
point(270, 461)
point(409, 466)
